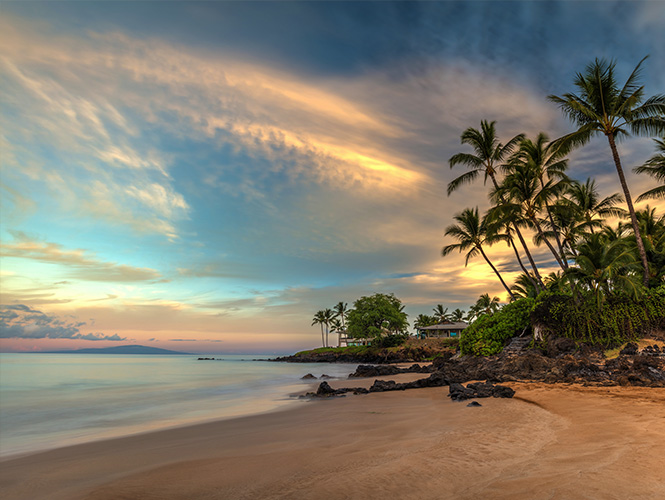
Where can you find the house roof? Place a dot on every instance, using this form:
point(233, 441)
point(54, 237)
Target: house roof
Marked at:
point(458, 325)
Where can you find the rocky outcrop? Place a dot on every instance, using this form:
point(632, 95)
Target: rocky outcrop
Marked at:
point(387, 370)
point(457, 392)
point(375, 356)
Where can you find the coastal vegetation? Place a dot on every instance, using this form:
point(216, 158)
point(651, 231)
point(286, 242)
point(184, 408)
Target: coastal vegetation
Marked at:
point(608, 282)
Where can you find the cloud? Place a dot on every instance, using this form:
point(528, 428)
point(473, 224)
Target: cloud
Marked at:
point(79, 263)
point(21, 321)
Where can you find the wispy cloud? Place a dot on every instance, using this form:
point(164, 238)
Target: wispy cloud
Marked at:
point(79, 264)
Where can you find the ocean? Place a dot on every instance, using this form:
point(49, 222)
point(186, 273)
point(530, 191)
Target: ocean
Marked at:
point(53, 400)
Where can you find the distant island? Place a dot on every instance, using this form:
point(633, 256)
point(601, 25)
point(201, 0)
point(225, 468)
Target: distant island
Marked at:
point(121, 349)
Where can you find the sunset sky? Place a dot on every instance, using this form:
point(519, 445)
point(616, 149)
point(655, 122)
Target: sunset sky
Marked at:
point(206, 176)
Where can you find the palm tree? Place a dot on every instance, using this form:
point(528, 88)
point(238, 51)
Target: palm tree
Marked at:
point(603, 107)
point(526, 199)
point(472, 233)
point(654, 167)
point(423, 320)
point(604, 266)
point(318, 320)
point(593, 210)
point(440, 313)
point(327, 315)
point(547, 162)
point(488, 157)
point(524, 287)
point(341, 310)
point(457, 315)
point(486, 305)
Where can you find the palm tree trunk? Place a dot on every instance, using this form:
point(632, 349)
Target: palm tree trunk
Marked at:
point(529, 256)
point(326, 334)
point(631, 209)
point(521, 238)
point(497, 273)
point(556, 234)
point(549, 245)
point(526, 273)
point(323, 340)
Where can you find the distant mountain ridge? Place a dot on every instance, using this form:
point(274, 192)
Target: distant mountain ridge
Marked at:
point(121, 349)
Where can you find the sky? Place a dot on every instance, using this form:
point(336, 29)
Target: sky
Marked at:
point(205, 176)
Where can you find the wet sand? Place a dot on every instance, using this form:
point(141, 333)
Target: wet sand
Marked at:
point(549, 442)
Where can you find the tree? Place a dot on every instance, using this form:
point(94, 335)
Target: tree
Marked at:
point(341, 310)
point(489, 154)
point(318, 320)
point(593, 210)
point(440, 314)
point(423, 320)
point(602, 107)
point(484, 305)
point(604, 267)
point(472, 233)
point(327, 315)
point(376, 315)
point(457, 315)
point(654, 167)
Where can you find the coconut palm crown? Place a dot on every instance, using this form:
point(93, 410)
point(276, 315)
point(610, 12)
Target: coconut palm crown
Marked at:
point(603, 107)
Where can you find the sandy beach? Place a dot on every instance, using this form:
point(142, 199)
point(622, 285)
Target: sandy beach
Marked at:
point(549, 442)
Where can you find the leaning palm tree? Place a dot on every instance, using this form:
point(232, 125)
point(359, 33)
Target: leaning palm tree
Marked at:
point(602, 107)
point(547, 161)
point(472, 233)
point(318, 320)
point(486, 159)
point(654, 167)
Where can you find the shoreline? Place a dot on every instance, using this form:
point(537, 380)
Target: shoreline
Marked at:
point(550, 441)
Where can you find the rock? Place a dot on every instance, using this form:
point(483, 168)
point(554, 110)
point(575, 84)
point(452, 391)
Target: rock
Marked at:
point(474, 403)
point(629, 350)
point(482, 389)
point(560, 346)
point(324, 376)
point(385, 385)
point(502, 391)
point(325, 390)
point(309, 376)
point(457, 392)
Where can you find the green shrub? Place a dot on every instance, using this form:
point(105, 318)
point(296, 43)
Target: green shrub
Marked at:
point(488, 334)
point(621, 319)
point(390, 340)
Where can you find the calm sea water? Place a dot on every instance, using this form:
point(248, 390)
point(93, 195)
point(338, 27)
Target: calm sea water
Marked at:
point(52, 400)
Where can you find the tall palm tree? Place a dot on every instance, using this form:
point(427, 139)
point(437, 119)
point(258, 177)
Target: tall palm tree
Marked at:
point(318, 320)
point(526, 199)
point(327, 315)
point(602, 107)
point(472, 233)
point(488, 156)
point(654, 167)
point(341, 310)
point(546, 161)
point(440, 313)
point(523, 287)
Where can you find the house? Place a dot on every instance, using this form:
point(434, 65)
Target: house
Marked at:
point(443, 330)
point(345, 341)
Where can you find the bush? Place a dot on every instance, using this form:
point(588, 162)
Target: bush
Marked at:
point(390, 340)
point(622, 319)
point(488, 334)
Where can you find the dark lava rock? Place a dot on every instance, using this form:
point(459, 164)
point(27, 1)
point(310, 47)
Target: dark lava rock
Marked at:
point(387, 370)
point(325, 390)
point(474, 403)
point(324, 376)
point(309, 376)
point(629, 350)
point(457, 392)
point(560, 346)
